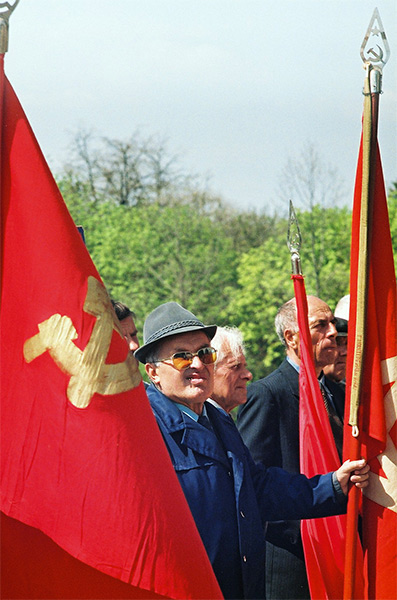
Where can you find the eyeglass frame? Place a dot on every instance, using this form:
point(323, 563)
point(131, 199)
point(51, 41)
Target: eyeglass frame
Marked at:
point(192, 355)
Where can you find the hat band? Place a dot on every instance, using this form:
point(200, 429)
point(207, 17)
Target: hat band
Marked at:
point(174, 328)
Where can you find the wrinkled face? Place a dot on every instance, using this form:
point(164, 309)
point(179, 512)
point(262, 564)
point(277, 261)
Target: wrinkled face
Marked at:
point(337, 370)
point(130, 333)
point(230, 382)
point(191, 386)
point(322, 332)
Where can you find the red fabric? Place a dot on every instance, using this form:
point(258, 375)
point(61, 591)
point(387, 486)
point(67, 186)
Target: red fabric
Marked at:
point(378, 399)
point(323, 539)
point(49, 572)
point(97, 481)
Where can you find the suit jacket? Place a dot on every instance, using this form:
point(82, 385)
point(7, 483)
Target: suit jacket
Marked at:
point(231, 498)
point(269, 426)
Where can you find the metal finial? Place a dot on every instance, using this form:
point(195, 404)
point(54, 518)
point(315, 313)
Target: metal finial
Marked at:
point(294, 240)
point(6, 9)
point(375, 51)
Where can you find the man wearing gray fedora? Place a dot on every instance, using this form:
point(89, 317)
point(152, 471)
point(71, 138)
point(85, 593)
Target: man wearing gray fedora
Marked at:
point(231, 498)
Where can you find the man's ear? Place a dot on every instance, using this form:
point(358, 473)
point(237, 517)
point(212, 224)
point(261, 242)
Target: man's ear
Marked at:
point(292, 339)
point(151, 371)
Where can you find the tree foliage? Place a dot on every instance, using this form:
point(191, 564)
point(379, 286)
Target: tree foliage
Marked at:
point(132, 172)
point(155, 235)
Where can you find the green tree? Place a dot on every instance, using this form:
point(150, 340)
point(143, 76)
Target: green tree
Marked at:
point(130, 172)
point(166, 238)
point(153, 254)
point(331, 247)
point(314, 186)
point(264, 283)
point(392, 206)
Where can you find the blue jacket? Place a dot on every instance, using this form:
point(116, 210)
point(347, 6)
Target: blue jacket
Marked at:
point(232, 498)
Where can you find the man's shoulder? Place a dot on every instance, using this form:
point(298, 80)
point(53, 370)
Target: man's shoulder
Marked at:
point(163, 408)
point(279, 376)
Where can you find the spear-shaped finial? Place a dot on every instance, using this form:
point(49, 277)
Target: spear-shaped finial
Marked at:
point(6, 9)
point(294, 240)
point(375, 52)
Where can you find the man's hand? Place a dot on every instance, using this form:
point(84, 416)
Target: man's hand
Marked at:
point(354, 471)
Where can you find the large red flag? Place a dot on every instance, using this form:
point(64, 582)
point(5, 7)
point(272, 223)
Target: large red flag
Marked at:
point(378, 397)
point(92, 507)
point(323, 539)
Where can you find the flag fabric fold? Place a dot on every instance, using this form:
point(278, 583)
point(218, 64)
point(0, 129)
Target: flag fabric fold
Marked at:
point(83, 464)
point(323, 539)
point(378, 396)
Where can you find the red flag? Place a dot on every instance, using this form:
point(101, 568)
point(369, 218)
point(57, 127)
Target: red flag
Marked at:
point(323, 539)
point(88, 489)
point(378, 398)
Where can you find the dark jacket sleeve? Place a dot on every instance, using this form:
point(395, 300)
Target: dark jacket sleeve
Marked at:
point(268, 424)
point(289, 496)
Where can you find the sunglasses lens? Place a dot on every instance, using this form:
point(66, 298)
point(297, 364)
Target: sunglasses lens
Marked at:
point(182, 360)
point(207, 355)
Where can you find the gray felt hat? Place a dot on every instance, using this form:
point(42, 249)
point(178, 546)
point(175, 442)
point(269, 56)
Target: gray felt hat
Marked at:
point(166, 320)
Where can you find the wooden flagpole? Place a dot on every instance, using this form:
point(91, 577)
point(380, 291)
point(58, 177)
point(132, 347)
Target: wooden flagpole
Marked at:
point(373, 63)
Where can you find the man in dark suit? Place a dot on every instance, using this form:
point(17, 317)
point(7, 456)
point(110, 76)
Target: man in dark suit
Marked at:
point(336, 371)
point(269, 425)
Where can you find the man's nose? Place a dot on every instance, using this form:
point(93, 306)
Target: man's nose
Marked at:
point(332, 332)
point(196, 362)
point(133, 343)
point(247, 375)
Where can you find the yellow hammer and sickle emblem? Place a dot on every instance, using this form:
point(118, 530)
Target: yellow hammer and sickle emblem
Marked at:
point(89, 373)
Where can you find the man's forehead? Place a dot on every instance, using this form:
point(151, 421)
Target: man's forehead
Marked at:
point(319, 310)
point(230, 359)
point(128, 323)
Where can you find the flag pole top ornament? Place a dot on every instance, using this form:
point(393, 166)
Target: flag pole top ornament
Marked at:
point(375, 52)
point(6, 9)
point(294, 240)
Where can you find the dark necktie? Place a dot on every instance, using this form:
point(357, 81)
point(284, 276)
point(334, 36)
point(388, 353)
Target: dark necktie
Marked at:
point(205, 422)
point(335, 422)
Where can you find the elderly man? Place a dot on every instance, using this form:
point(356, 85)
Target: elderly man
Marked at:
point(230, 497)
point(336, 371)
point(269, 425)
point(231, 371)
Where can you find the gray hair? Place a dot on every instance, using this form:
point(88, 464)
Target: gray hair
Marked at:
point(286, 319)
point(228, 338)
point(152, 357)
point(153, 354)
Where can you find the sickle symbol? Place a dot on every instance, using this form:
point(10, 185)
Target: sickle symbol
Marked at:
point(89, 372)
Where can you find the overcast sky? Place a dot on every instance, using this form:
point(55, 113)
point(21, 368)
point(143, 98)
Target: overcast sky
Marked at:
point(235, 86)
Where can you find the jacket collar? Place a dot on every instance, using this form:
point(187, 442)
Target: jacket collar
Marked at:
point(291, 376)
point(166, 410)
point(194, 435)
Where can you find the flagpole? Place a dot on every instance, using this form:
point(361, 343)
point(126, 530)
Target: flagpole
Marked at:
point(6, 9)
point(374, 60)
